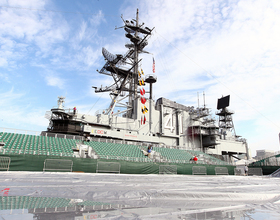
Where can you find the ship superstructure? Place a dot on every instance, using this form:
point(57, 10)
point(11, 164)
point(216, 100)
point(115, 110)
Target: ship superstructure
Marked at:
point(134, 116)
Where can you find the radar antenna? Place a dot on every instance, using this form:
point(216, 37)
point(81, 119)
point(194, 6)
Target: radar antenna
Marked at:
point(60, 102)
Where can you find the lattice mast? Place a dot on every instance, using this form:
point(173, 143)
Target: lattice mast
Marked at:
point(225, 115)
point(124, 70)
point(135, 77)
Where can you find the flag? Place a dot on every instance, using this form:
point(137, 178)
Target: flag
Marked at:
point(145, 109)
point(143, 100)
point(141, 92)
point(154, 68)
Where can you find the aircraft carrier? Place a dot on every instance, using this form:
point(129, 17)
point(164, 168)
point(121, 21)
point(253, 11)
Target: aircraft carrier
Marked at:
point(134, 116)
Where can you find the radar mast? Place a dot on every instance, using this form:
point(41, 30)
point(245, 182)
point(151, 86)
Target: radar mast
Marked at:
point(124, 70)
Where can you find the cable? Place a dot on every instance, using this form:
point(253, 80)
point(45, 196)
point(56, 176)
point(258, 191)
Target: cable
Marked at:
point(95, 103)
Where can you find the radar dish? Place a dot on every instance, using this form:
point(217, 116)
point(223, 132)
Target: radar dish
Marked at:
point(108, 56)
point(223, 102)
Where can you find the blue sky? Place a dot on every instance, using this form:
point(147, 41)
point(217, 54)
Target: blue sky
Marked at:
point(52, 48)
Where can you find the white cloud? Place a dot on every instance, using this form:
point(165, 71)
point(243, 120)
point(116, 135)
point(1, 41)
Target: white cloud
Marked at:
point(25, 31)
point(16, 113)
point(97, 19)
point(4, 77)
point(90, 56)
point(55, 81)
point(34, 4)
point(82, 31)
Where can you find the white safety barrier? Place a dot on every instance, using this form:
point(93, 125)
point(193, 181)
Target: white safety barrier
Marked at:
point(255, 172)
point(58, 165)
point(199, 170)
point(221, 170)
point(5, 163)
point(167, 169)
point(108, 167)
point(238, 171)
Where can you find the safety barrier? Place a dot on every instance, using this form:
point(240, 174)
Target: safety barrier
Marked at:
point(221, 170)
point(238, 172)
point(167, 169)
point(255, 172)
point(58, 165)
point(5, 163)
point(199, 170)
point(108, 167)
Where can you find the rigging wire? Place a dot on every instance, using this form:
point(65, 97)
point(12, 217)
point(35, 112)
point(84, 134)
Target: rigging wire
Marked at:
point(95, 103)
point(219, 81)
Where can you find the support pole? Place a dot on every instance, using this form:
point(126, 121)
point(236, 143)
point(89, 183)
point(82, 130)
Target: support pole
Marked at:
point(150, 108)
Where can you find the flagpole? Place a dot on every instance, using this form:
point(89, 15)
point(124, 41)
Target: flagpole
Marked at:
point(151, 96)
point(151, 79)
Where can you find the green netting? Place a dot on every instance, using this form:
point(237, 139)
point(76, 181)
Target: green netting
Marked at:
point(36, 163)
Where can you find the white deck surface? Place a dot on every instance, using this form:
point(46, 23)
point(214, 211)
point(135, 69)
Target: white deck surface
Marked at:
point(151, 196)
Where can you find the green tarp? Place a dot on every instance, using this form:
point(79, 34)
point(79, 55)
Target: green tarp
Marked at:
point(20, 162)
